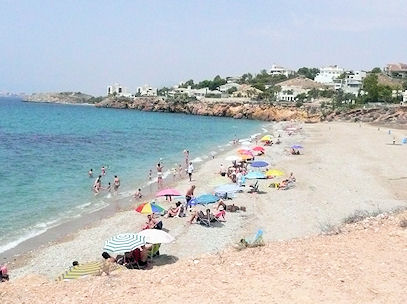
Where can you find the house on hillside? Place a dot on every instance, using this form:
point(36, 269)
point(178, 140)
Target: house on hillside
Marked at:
point(198, 93)
point(291, 88)
point(352, 83)
point(227, 86)
point(279, 70)
point(118, 90)
point(146, 90)
point(397, 70)
point(328, 74)
point(246, 91)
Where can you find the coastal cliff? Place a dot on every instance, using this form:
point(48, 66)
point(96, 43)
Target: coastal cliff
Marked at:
point(239, 109)
point(60, 97)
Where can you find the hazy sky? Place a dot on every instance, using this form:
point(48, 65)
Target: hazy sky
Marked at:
point(85, 45)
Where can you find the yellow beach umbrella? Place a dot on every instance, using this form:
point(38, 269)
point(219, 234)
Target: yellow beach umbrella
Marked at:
point(92, 268)
point(274, 172)
point(266, 138)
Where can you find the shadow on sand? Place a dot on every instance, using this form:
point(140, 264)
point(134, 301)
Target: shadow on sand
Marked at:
point(164, 259)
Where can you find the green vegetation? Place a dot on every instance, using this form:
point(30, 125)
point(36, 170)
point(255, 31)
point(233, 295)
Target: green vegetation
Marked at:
point(94, 100)
point(376, 70)
point(308, 72)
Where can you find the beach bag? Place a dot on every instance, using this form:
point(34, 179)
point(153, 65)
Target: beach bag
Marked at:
point(159, 225)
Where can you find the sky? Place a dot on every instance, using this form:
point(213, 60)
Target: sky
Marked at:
point(86, 45)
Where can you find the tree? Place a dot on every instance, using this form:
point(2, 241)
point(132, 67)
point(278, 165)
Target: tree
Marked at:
point(308, 72)
point(232, 90)
point(246, 78)
point(163, 91)
point(370, 86)
point(376, 70)
point(313, 93)
point(301, 97)
point(405, 85)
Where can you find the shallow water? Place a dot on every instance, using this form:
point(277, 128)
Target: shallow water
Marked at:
point(46, 151)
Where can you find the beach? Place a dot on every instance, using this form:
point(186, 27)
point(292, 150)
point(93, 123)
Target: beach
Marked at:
point(343, 168)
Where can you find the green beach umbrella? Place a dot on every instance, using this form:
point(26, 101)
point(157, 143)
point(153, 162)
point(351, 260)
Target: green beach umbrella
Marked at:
point(125, 242)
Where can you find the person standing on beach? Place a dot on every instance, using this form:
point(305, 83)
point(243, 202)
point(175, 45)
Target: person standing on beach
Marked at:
point(160, 175)
point(150, 175)
point(189, 195)
point(116, 185)
point(90, 173)
point(190, 170)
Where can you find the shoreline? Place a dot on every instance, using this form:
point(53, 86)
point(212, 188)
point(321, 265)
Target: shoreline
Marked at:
point(19, 255)
point(314, 204)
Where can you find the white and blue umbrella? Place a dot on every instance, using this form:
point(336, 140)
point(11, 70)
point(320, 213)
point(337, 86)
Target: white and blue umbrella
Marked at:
point(125, 242)
point(226, 189)
point(259, 164)
point(255, 175)
point(297, 147)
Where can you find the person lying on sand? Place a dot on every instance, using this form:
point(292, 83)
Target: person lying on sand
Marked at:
point(174, 211)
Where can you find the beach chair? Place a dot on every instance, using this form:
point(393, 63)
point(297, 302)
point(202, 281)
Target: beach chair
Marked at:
point(255, 242)
point(254, 188)
point(203, 219)
point(155, 251)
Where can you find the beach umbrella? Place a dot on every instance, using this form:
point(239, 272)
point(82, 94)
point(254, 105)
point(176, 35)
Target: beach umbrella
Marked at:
point(297, 147)
point(233, 158)
point(258, 149)
point(255, 175)
point(149, 208)
point(274, 172)
point(155, 236)
point(266, 138)
point(125, 242)
point(81, 270)
point(226, 189)
point(204, 199)
point(259, 164)
point(246, 152)
point(168, 192)
point(246, 157)
point(243, 151)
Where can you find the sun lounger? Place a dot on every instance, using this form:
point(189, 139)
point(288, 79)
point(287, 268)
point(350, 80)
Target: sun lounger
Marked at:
point(255, 242)
point(254, 188)
point(203, 219)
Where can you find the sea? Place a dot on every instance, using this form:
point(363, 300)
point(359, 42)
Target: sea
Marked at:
point(46, 151)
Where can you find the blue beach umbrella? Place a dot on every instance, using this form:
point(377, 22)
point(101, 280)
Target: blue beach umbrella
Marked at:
point(297, 147)
point(255, 175)
point(259, 164)
point(205, 199)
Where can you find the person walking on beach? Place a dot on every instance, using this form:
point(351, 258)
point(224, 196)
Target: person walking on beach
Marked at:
point(90, 173)
point(189, 195)
point(116, 185)
point(190, 170)
point(160, 175)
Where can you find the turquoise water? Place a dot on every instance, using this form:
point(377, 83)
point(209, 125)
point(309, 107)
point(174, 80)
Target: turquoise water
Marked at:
point(46, 151)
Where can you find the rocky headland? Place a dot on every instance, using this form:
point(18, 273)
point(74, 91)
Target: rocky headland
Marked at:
point(60, 97)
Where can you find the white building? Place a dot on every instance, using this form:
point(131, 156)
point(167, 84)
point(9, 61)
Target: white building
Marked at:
point(227, 86)
point(352, 83)
point(198, 93)
point(279, 70)
point(291, 88)
point(146, 90)
point(398, 70)
point(328, 74)
point(118, 90)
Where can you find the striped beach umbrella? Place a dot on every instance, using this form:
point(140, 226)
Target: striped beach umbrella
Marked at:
point(149, 208)
point(125, 242)
point(81, 270)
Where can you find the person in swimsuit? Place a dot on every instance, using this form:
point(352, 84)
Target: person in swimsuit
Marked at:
point(150, 175)
point(90, 173)
point(189, 195)
point(103, 171)
point(190, 170)
point(116, 184)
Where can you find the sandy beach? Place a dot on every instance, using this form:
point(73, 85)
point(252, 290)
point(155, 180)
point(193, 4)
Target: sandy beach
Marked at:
point(344, 168)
